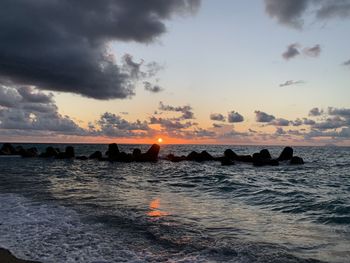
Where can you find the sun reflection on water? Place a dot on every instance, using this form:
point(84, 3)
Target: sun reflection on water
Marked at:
point(155, 211)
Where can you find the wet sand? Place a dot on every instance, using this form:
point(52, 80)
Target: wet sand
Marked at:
point(7, 257)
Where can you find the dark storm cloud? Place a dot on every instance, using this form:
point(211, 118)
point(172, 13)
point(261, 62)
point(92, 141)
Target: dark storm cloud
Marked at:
point(234, 117)
point(9, 97)
point(30, 110)
point(291, 83)
point(63, 45)
point(291, 52)
point(217, 117)
point(291, 12)
point(39, 107)
point(263, 117)
point(314, 51)
point(347, 63)
point(19, 119)
point(29, 95)
point(151, 87)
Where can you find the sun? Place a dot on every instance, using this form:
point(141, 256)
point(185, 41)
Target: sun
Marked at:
point(160, 140)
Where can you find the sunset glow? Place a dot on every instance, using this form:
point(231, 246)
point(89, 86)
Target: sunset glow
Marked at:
point(136, 85)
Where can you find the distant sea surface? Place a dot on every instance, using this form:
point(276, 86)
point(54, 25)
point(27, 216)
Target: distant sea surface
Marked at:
point(89, 211)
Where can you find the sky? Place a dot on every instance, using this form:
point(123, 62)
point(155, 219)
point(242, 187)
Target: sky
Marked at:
point(188, 71)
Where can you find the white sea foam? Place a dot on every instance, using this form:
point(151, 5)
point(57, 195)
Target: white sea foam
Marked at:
point(55, 234)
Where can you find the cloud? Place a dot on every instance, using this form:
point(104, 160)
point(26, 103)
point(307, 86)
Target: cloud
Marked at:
point(216, 125)
point(29, 110)
point(186, 110)
point(30, 95)
point(111, 120)
point(169, 124)
point(18, 119)
point(217, 117)
point(287, 12)
point(314, 51)
point(152, 88)
point(280, 122)
point(307, 121)
point(291, 52)
point(294, 50)
point(330, 123)
point(343, 133)
point(280, 131)
point(332, 9)
point(263, 117)
point(291, 82)
point(347, 63)
point(234, 117)
point(112, 125)
point(297, 122)
point(234, 134)
point(199, 132)
point(9, 97)
point(343, 112)
point(315, 112)
point(72, 42)
point(291, 12)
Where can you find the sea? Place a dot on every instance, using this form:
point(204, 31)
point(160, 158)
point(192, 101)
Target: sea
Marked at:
point(57, 211)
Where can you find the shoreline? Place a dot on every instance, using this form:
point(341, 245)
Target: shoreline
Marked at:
point(7, 257)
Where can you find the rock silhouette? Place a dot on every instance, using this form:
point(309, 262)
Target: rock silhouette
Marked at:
point(136, 154)
point(8, 149)
point(296, 160)
point(113, 154)
point(96, 155)
point(286, 154)
point(199, 157)
point(226, 161)
point(230, 155)
point(151, 155)
point(49, 153)
point(67, 154)
point(82, 158)
point(29, 153)
point(264, 158)
point(171, 157)
point(265, 154)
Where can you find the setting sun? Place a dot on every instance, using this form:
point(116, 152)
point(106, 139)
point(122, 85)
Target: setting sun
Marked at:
point(160, 140)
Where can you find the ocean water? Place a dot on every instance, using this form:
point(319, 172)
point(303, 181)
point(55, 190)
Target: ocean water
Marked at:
point(90, 211)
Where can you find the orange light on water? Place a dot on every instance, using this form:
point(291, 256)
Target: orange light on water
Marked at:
point(154, 204)
point(154, 207)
